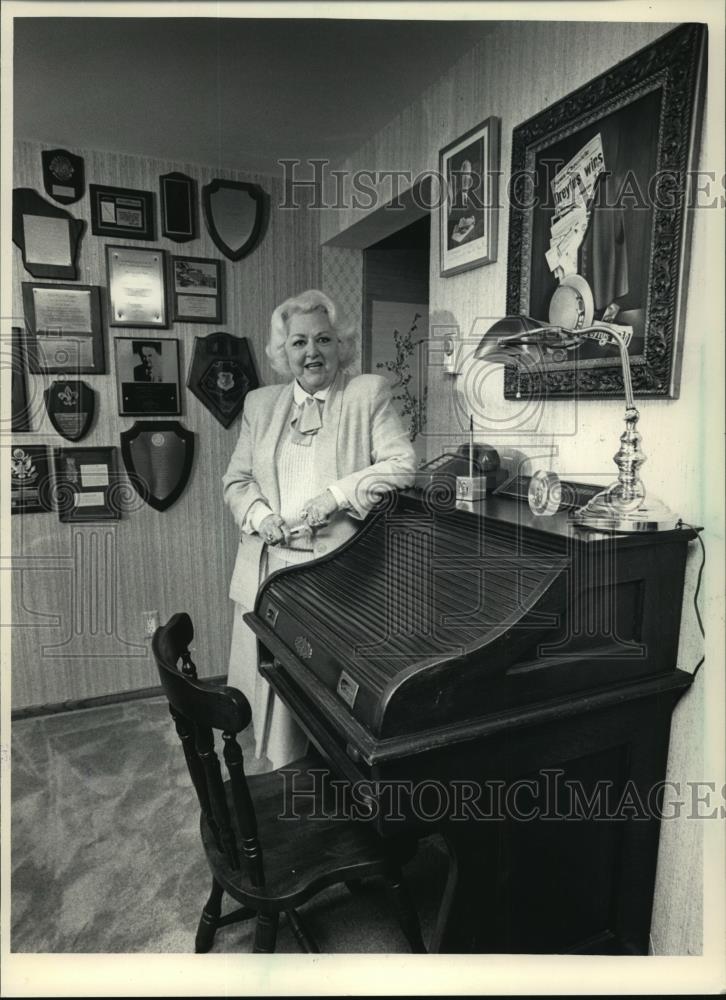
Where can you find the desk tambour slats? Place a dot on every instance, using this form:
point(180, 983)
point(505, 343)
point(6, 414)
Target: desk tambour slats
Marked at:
point(410, 592)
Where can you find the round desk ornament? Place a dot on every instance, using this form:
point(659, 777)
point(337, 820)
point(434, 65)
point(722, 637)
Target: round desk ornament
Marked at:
point(545, 493)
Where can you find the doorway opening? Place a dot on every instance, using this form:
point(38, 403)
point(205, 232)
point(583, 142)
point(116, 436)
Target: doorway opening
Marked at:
point(395, 320)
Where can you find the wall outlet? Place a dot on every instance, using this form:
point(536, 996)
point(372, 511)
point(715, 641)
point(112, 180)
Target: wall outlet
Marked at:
point(151, 622)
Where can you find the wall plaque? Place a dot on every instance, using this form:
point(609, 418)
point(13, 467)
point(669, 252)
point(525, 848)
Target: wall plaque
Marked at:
point(197, 290)
point(147, 376)
point(234, 212)
point(47, 236)
point(178, 207)
point(65, 328)
point(70, 406)
point(63, 175)
point(20, 401)
point(136, 287)
point(221, 374)
point(31, 485)
point(158, 455)
point(122, 212)
point(86, 484)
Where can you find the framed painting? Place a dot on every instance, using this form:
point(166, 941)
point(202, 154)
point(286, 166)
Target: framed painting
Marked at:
point(600, 216)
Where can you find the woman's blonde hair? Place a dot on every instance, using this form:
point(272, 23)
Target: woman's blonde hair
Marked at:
point(306, 302)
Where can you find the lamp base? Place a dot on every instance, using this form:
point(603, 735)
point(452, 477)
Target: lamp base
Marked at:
point(608, 511)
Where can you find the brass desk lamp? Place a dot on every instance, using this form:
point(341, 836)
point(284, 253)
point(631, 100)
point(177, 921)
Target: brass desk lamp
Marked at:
point(623, 506)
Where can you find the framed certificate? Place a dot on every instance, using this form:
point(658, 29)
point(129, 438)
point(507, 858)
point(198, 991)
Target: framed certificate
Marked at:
point(86, 484)
point(136, 287)
point(147, 374)
point(197, 289)
point(64, 329)
point(122, 212)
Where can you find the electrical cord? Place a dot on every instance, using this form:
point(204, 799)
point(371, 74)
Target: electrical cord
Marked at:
point(684, 524)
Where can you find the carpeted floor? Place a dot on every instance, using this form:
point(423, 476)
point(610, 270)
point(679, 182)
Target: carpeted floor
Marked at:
point(106, 854)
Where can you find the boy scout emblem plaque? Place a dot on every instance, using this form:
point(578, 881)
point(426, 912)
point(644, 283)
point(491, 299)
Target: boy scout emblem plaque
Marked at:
point(158, 456)
point(221, 374)
point(63, 175)
point(70, 406)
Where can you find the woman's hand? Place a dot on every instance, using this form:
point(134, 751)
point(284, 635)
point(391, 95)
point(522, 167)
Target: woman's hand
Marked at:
point(319, 510)
point(273, 530)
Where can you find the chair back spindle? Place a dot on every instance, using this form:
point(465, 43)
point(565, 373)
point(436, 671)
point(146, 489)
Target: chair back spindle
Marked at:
point(199, 709)
point(185, 732)
point(244, 809)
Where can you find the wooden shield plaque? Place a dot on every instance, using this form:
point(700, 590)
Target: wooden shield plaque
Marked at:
point(234, 213)
point(70, 406)
point(158, 456)
point(221, 374)
point(63, 175)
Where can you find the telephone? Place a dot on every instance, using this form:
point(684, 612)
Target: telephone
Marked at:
point(454, 469)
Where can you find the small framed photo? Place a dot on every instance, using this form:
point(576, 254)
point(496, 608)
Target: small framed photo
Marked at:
point(197, 289)
point(136, 287)
point(122, 212)
point(468, 213)
point(147, 376)
point(31, 482)
point(86, 484)
point(64, 329)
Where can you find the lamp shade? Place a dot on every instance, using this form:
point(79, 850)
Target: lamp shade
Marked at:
point(509, 327)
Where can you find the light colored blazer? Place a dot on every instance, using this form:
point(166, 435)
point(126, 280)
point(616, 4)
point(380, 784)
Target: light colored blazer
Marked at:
point(362, 448)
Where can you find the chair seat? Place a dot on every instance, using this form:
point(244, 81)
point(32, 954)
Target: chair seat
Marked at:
point(306, 852)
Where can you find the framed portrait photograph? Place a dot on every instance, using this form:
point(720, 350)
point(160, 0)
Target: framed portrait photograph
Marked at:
point(197, 290)
point(122, 212)
point(31, 479)
point(86, 484)
point(147, 376)
point(599, 223)
point(64, 326)
point(468, 210)
point(136, 287)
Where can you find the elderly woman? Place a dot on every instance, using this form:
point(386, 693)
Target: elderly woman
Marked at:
point(312, 458)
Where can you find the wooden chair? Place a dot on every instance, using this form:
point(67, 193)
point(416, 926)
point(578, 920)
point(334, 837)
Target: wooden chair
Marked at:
point(269, 864)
